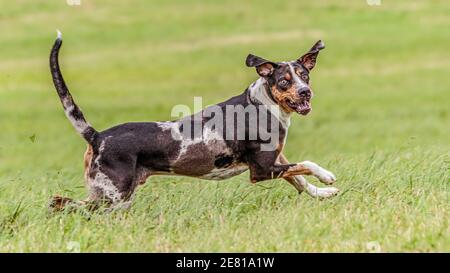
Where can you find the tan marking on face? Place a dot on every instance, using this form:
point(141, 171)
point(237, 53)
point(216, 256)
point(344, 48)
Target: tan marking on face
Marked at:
point(300, 76)
point(287, 76)
point(87, 161)
point(281, 96)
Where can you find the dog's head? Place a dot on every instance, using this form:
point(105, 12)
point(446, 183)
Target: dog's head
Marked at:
point(289, 81)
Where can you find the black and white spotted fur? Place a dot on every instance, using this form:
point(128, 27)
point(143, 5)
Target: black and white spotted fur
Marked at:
point(122, 157)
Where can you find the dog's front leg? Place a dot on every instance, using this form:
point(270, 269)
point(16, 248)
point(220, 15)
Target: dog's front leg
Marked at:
point(301, 184)
point(266, 165)
point(310, 168)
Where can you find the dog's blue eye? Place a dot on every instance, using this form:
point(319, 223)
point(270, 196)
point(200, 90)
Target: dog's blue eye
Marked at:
point(305, 77)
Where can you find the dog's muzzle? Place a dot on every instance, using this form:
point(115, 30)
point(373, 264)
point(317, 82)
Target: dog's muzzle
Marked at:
point(302, 105)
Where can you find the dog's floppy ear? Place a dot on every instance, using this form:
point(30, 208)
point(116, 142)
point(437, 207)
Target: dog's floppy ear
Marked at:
point(263, 67)
point(309, 59)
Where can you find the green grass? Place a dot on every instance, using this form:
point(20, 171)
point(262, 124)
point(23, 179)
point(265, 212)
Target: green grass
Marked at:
point(380, 122)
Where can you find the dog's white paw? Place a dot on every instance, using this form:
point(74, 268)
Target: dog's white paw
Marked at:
point(324, 192)
point(326, 177)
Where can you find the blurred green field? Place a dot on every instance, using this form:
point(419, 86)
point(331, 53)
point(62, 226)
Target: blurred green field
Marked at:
point(380, 122)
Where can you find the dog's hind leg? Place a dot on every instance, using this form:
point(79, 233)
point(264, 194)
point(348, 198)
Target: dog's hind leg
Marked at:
point(111, 183)
point(112, 189)
point(113, 175)
point(301, 184)
point(59, 203)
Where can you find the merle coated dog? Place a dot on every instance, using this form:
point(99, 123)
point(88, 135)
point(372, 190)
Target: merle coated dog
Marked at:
point(119, 159)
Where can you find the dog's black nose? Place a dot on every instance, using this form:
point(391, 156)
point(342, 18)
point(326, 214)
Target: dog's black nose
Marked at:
point(304, 92)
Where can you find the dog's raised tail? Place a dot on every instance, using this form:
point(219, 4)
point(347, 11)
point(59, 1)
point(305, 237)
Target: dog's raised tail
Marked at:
point(72, 110)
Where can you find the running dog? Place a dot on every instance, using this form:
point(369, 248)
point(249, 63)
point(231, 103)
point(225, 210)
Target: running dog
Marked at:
point(119, 159)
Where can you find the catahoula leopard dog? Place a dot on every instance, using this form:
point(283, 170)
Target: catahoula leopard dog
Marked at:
point(119, 159)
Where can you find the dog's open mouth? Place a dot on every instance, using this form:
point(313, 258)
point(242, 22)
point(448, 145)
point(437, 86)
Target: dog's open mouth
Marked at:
point(303, 107)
